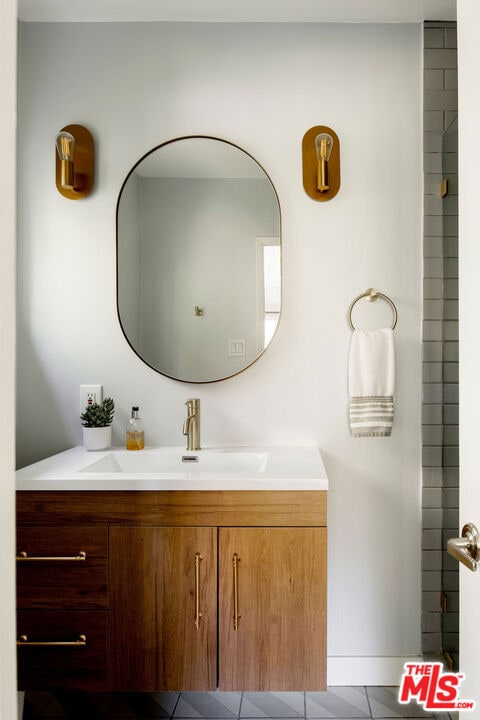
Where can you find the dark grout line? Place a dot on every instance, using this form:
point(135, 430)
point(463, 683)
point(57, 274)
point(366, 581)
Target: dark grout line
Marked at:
point(368, 701)
point(176, 704)
point(240, 706)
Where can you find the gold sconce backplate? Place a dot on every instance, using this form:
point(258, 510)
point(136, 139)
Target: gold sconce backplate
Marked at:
point(311, 164)
point(83, 161)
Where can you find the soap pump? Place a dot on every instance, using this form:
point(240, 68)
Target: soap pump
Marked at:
point(135, 436)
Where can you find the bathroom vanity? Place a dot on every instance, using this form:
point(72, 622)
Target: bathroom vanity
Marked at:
point(173, 578)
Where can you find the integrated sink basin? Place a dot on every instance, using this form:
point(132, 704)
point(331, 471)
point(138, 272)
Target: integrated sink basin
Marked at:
point(174, 468)
point(180, 461)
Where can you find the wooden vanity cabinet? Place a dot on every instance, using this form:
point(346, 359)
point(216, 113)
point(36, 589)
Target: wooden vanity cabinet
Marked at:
point(207, 589)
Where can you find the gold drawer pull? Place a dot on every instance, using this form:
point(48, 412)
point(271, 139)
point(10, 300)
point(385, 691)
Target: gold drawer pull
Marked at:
point(81, 641)
point(236, 616)
point(198, 614)
point(24, 557)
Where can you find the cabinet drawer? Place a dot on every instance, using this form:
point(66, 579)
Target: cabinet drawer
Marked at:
point(51, 576)
point(79, 667)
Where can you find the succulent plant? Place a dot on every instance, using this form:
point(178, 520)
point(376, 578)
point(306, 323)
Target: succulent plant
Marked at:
point(98, 415)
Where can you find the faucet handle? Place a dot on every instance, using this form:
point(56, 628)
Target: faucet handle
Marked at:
point(193, 403)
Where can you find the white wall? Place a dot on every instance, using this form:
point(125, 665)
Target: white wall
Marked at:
point(261, 87)
point(8, 48)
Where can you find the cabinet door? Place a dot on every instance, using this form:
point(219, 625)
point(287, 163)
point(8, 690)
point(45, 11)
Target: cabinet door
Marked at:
point(160, 581)
point(279, 639)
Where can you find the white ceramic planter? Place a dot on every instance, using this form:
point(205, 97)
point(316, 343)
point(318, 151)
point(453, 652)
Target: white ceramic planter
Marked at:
point(97, 438)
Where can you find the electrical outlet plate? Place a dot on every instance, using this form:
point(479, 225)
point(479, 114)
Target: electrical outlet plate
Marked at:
point(90, 394)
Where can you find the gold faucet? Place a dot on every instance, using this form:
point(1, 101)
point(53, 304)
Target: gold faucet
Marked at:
point(191, 426)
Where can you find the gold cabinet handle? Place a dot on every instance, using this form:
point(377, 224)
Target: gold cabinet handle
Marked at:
point(198, 614)
point(23, 641)
point(24, 557)
point(236, 616)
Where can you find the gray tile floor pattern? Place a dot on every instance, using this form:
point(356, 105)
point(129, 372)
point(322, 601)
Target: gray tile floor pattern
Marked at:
point(343, 703)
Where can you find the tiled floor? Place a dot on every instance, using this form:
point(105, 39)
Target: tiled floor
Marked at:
point(337, 702)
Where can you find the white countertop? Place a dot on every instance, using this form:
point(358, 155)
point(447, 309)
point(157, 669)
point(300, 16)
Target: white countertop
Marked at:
point(233, 468)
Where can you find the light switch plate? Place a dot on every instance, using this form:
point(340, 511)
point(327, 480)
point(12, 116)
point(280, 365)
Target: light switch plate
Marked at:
point(236, 348)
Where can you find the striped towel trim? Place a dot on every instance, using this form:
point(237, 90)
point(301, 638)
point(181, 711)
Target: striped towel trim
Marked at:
point(371, 416)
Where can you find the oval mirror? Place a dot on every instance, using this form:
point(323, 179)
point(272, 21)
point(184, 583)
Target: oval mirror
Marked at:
point(198, 259)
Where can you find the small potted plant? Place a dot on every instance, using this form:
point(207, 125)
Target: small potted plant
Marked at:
point(97, 425)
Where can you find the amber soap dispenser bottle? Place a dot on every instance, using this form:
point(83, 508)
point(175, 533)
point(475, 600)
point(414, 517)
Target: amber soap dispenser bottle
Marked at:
point(135, 436)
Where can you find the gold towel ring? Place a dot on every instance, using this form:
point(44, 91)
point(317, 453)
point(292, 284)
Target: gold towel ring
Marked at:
point(371, 294)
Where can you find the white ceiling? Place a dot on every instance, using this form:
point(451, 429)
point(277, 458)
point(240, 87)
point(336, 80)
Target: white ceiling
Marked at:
point(236, 11)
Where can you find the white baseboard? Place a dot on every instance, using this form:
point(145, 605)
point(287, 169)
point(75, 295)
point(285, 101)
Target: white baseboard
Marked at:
point(368, 670)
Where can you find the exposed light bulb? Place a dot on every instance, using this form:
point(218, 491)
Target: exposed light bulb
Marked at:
point(323, 148)
point(65, 147)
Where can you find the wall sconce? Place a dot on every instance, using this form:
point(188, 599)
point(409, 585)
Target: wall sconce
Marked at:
point(74, 162)
point(321, 163)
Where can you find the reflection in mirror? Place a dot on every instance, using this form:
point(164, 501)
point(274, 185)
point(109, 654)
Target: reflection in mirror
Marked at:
point(198, 259)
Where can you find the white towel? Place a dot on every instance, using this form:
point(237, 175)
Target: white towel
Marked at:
point(371, 381)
